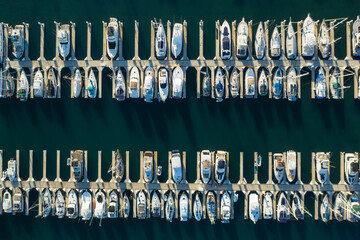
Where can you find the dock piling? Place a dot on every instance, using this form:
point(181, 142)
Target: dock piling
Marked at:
point(88, 41)
point(18, 165)
point(44, 179)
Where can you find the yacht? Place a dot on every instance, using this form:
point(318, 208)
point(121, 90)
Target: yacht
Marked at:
point(10, 86)
point(220, 166)
point(308, 39)
point(234, 82)
point(282, 210)
point(46, 202)
point(134, 82)
point(141, 207)
point(125, 206)
point(263, 85)
point(120, 87)
point(177, 82)
point(51, 86)
point(7, 202)
point(277, 87)
point(163, 78)
point(211, 207)
point(169, 207)
point(118, 169)
point(148, 166)
point(72, 205)
point(197, 207)
point(112, 37)
point(296, 207)
point(149, 81)
point(242, 39)
point(292, 86)
point(92, 85)
point(11, 170)
point(206, 168)
point(254, 207)
point(155, 205)
point(2, 76)
point(206, 83)
point(219, 84)
point(268, 206)
point(63, 35)
point(18, 41)
point(324, 40)
point(60, 204)
point(100, 205)
point(290, 166)
point(2, 42)
point(250, 83)
point(351, 168)
point(339, 207)
point(177, 38)
point(77, 83)
point(275, 49)
point(38, 84)
point(184, 207)
point(225, 41)
point(322, 167)
point(76, 162)
point(353, 208)
point(18, 201)
point(225, 208)
point(86, 206)
point(113, 207)
point(160, 42)
point(335, 86)
point(176, 166)
point(325, 208)
point(260, 43)
point(23, 87)
point(291, 46)
point(279, 167)
point(356, 38)
point(320, 84)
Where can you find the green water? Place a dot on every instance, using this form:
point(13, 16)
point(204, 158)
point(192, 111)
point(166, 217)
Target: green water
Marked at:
point(191, 125)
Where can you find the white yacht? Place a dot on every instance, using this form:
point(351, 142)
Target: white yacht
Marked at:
point(100, 205)
point(225, 41)
point(63, 35)
point(169, 207)
point(282, 210)
point(38, 84)
point(149, 84)
point(51, 85)
point(250, 84)
point(92, 85)
point(11, 170)
point(176, 166)
point(320, 84)
point(113, 207)
point(263, 85)
point(242, 39)
point(120, 87)
point(141, 207)
point(325, 208)
point(18, 201)
point(77, 83)
point(260, 43)
point(291, 45)
point(205, 167)
point(324, 40)
point(206, 83)
point(234, 82)
point(296, 207)
point(335, 85)
point(351, 168)
point(356, 38)
point(23, 87)
point(184, 207)
point(211, 207)
point(268, 211)
point(7, 202)
point(308, 39)
point(225, 208)
point(220, 166)
point(134, 87)
point(86, 206)
point(177, 39)
point(112, 37)
point(292, 86)
point(160, 42)
point(60, 204)
point(197, 207)
point(148, 161)
point(125, 208)
point(18, 41)
point(46, 202)
point(290, 166)
point(353, 208)
point(219, 84)
point(322, 167)
point(275, 44)
point(72, 208)
point(155, 205)
point(339, 207)
point(254, 207)
point(279, 167)
point(177, 82)
point(277, 86)
point(163, 78)
point(76, 162)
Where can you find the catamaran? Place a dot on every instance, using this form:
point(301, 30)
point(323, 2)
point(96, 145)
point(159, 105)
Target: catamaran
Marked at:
point(308, 39)
point(38, 84)
point(291, 46)
point(242, 39)
point(260, 43)
point(205, 167)
point(275, 45)
point(163, 78)
point(250, 84)
point(160, 42)
point(225, 41)
point(254, 207)
point(134, 82)
point(112, 37)
point(149, 82)
point(63, 35)
point(77, 83)
point(263, 86)
point(177, 39)
point(120, 86)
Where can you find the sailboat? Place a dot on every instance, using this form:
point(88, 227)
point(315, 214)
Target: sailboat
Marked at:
point(155, 205)
point(118, 168)
point(206, 84)
point(92, 85)
point(275, 44)
point(339, 207)
point(291, 46)
point(160, 42)
point(260, 44)
point(234, 82)
point(51, 85)
point(77, 83)
point(211, 207)
point(292, 86)
point(23, 87)
point(169, 207)
point(38, 84)
point(60, 204)
point(120, 87)
point(308, 39)
point(263, 85)
point(324, 40)
point(282, 210)
point(177, 39)
point(163, 78)
point(325, 208)
point(197, 207)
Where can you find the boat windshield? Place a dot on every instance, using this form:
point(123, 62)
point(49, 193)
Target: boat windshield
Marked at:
point(226, 43)
point(163, 85)
point(160, 44)
point(111, 32)
point(221, 164)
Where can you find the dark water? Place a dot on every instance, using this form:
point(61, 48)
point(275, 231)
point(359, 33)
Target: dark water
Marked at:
point(191, 125)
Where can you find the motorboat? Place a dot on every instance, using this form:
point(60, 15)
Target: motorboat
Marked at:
point(51, 86)
point(18, 41)
point(339, 207)
point(282, 210)
point(149, 84)
point(353, 208)
point(120, 87)
point(38, 84)
point(77, 83)
point(291, 45)
point(296, 207)
point(275, 44)
point(148, 166)
point(160, 42)
point(126, 206)
point(324, 40)
point(308, 39)
point(46, 202)
point(242, 39)
point(279, 167)
point(258, 160)
point(163, 78)
point(206, 83)
point(211, 207)
point(134, 82)
point(177, 39)
point(18, 201)
point(225, 41)
point(234, 82)
point(86, 206)
point(225, 207)
point(11, 170)
point(351, 168)
point(277, 87)
point(155, 205)
point(335, 85)
point(113, 208)
point(356, 38)
point(169, 207)
point(177, 82)
point(2, 42)
point(100, 205)
point(63, 35)
point(60, 204)
point(268, 211)
point(10, 86)
point(263, 85)
point(118, 168)
point(176, 166)
point(91, 85)
point(320, 84)
point(260, 43)
point(141, 206)
point(290, 166)
point(220, 166)
point(254, 207)
point(76, 162)
point(7, 201)
point(2, 77)
point(205, 167)
point(322, 167)
point(219, 84)
point(72, 208)
point(112, 37)
point(325, 208)
point(23, 87)
point(292, 86)
point(197, 207)
point(250, 85)
point(184, 207)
